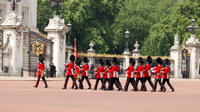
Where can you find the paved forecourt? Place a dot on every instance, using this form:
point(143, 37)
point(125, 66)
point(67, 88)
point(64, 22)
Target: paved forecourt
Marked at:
point(20, 96)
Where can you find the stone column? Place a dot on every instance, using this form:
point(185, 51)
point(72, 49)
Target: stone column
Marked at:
point(193, 44)
point(13, 55)
point(56, 30)
point(19, 11)
point(176, 55)
point(136, 52)
point(126, 55)
point(8, 7)
point(91, 54)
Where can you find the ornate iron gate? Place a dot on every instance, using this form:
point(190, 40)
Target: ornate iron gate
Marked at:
point(35, 44)
point(185, 68)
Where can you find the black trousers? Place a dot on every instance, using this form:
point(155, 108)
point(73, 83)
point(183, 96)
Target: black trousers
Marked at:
point(142, 82)
point(80, 84)
point(66, 81)
point(97, 82)
point(113, 81)
point(169, 84)
point(132, 81)
point(104, 83)
point(161, 85)
point(38, 81)
point(150, 82)
point(87, 79)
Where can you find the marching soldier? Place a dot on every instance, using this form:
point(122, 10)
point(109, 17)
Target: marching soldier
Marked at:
point(140, 74)
point(158, 76)
point(166, 75)
point(113, 76)
point(41, 72)
point(99, 74)
point(147, 72)
point(70, 73)
point(85, 72)
point(130, 75)
point(106, 74)
point(77, 75)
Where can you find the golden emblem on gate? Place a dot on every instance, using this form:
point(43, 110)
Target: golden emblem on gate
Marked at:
point(38, 48)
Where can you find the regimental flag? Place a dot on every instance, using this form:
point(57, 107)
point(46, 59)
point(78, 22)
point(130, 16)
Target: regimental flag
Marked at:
point(75, 49)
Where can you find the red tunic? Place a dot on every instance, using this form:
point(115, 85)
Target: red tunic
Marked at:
point(106, 73)
point(131, 72)
point(70, 69)
point(77, 71)
point(41, 68)
point(100, 72)
point(147, 71)
point(158, 72)
point(114, 72)
point(166, 73)
point(85, 70)
point(140, 71)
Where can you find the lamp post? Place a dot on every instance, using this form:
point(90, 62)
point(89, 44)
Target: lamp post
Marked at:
point(126, 37)
point(69, 25)
point(14, 3)
point(192, 28)
point(57, 3)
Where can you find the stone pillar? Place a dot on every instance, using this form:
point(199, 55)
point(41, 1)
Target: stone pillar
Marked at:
point(176, 55)
point(91, 54)
point(136, 52)
point(19, 11)
point(13, 55)
point(193, 44)
point(126, 55)
point(56, 30)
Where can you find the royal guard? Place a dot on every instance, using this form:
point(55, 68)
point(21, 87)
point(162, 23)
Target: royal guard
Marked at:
point(99, 74)
point(85, 72)
point(147, 72)
point(106, 74)
point(166, 74)
point(77, 75)
point(70, 72)
point(41, 72)
point(131, 75)
point(114, 76)
point(158, 77)
point(140, 74)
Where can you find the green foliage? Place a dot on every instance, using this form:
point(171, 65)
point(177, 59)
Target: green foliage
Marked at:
point(153, 23)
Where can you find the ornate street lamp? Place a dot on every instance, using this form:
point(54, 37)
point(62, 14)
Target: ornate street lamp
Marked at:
point(69, 25)
point(126, 37)
point(57, 3)
point(192, 28)
point(14, 3)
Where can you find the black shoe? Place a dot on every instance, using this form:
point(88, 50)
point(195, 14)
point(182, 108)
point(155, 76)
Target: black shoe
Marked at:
point(46, 87)
point(64, 88)
point(173, 90)
point(94, 89)
point(119, 89)
point(153, 90)
point(76, 87)
point(164, 90)
point(35, 86)
point(89, 87)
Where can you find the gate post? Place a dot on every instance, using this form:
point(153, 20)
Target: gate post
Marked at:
point(176, 55)
point(56, 30)
point(136, 52)
point(91, 53)
point(13, 40)
point(193, 44)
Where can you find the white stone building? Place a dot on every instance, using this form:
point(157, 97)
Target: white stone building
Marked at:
point(26, 11)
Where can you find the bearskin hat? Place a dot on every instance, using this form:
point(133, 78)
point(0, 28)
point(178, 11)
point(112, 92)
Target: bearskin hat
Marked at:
point(132, 61)
point(108, 63)
point(140, 60)
point(149, 59)
point(167, 62)
point(72, 58)
point(159, 61)
point(101, 62)
point(78, 62)
point(41, 58)
point(85, 59)
point(115, 61)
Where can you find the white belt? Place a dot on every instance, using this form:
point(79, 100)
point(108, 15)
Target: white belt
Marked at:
point(86, 72)
point(117, 74)
point(168, 76)
point(132, 74)
point(141, 74)
point(108, 75)
point(72, 70)
point(101, 74)
point(149, 71)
